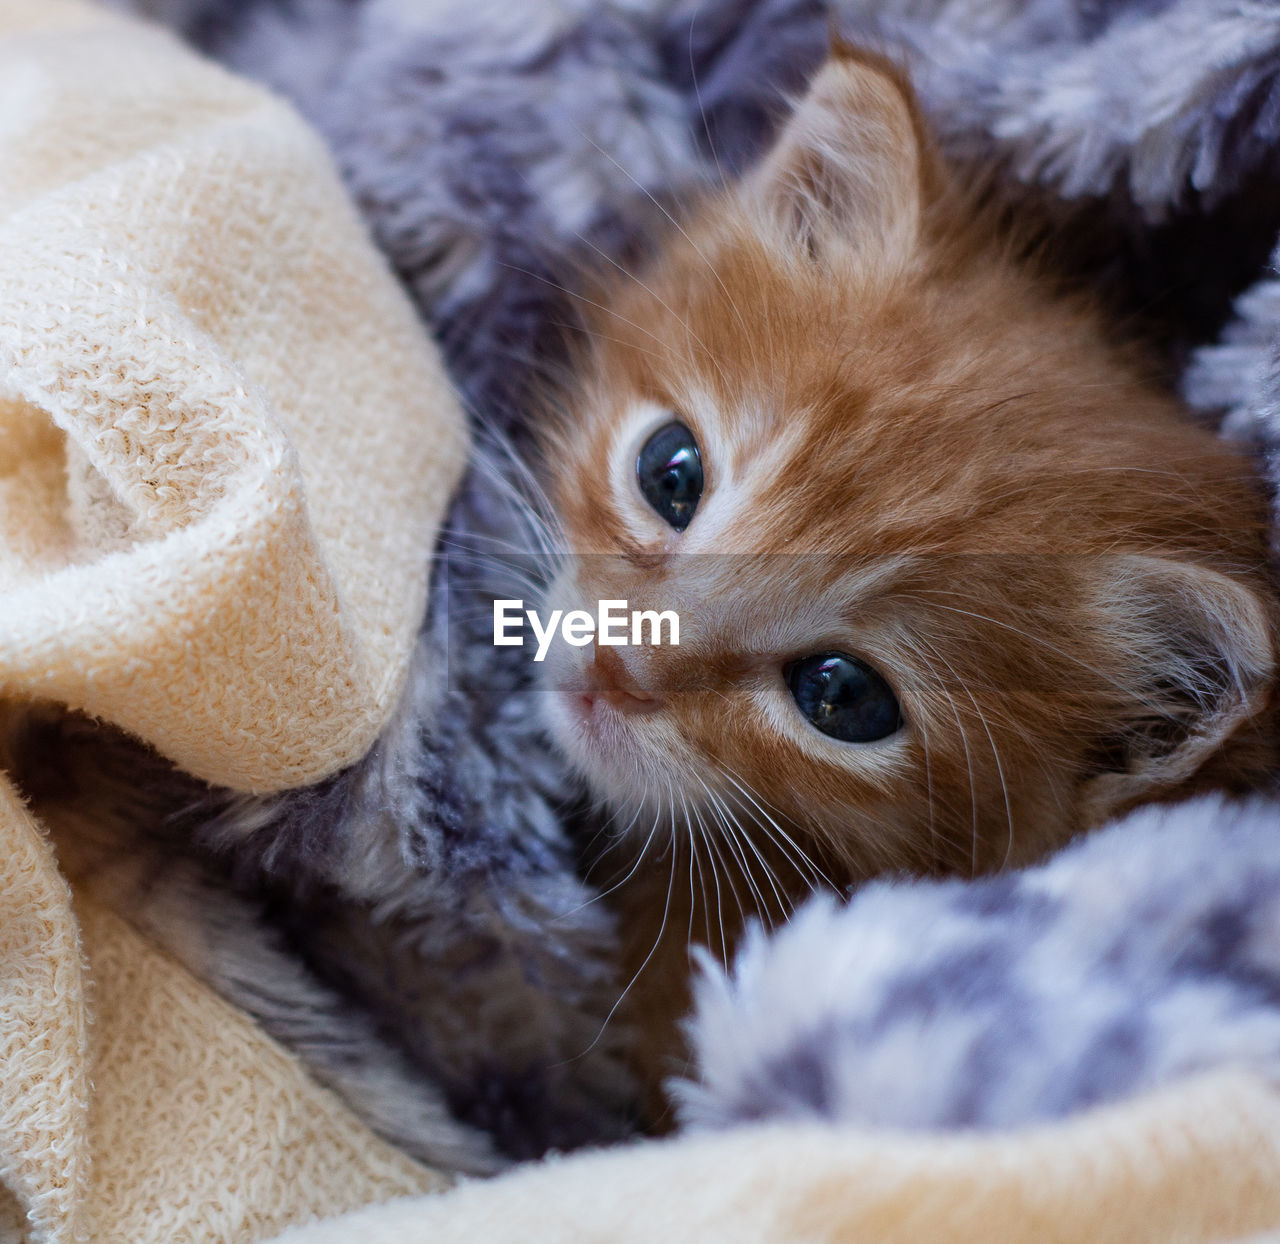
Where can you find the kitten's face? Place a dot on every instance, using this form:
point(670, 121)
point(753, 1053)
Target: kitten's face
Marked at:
point(952, 582)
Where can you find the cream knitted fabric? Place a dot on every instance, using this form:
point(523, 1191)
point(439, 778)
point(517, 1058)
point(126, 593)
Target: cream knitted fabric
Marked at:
point(221, 545)
point(225, 444)
point(170, 1117)
point(1199, 1162)
point(199, 1129)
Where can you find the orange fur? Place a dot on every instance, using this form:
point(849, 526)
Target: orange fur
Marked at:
point(917, 452)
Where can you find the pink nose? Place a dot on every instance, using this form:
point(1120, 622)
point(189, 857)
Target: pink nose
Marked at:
point(609, 679)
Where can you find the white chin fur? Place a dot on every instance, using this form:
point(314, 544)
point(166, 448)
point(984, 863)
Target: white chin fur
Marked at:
point(625, 767)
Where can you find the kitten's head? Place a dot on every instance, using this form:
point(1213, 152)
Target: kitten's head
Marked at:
point(953, 580)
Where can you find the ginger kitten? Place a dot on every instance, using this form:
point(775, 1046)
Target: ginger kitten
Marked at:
point(955, 581)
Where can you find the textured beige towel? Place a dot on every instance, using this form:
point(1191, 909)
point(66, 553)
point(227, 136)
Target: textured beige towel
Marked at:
point(224, 446)
point(1199, 1163)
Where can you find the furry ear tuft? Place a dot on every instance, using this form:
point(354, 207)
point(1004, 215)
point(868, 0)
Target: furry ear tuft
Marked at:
point(853, 163)
point(1196, 663)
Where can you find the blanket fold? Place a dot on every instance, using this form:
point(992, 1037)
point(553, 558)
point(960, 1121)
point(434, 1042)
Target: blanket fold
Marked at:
point(224, 445)
point(1195, 1163)
point(256, 441)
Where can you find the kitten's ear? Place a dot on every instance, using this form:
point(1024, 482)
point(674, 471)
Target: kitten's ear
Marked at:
point(852, 163)
point(1195, 664)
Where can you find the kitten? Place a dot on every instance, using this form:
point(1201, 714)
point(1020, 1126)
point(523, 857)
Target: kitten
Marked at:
point(955, 581)
point(896, 488)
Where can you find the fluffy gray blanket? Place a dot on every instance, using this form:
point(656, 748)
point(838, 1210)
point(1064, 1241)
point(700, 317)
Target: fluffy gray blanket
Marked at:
point(483, 143)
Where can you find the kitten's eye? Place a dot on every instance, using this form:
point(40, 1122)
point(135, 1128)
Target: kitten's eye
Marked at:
point(669, 470)
point(843, 697)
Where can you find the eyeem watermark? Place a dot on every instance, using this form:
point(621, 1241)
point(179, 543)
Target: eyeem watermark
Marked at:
point(613, 625)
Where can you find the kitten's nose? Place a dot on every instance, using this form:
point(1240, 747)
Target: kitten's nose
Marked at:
point(609, 678)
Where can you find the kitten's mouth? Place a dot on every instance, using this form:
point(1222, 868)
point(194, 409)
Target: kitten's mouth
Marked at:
point(607, 725)
point(584, 709)
point(623, 703)
point(588, 723)
point(597, 718)
point(591, 710)
point(621, 752)
point(602, 689)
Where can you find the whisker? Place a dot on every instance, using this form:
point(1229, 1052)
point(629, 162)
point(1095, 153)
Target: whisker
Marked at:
point(1037, 639)
point(657, 816)
point(630, 345)
point(715, 881)
point(968, 760)
point(714, 842)
point(995, 752)
point(734, 841)
point(703, 834)
point(590, 302)
point(680, 228)
point(666, 306)
point(745, 789)
point(702, 112)
point(801, 864)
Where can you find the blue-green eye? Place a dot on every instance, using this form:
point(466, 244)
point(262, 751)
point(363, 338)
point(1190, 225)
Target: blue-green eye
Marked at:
point(843, 697)
point(669, 471)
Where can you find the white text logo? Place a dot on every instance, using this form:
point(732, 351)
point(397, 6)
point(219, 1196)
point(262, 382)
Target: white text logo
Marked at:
point(613, 625)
